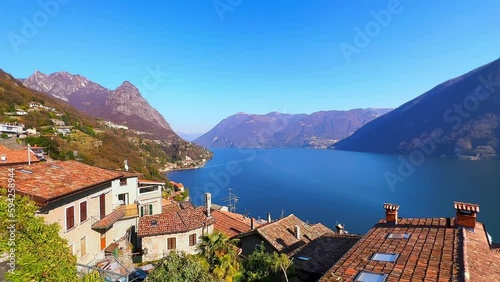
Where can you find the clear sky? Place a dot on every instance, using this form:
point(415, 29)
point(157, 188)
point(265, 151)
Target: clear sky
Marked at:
point(254, 56)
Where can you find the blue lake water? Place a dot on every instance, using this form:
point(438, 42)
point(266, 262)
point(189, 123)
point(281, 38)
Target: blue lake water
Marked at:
point(347, 187)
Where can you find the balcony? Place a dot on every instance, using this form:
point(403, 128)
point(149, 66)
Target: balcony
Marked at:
point(130, 210)
point(121, 212)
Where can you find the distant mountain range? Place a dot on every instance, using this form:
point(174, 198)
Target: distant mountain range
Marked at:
point(459, 117)
point(124, 105)
point(318, 130)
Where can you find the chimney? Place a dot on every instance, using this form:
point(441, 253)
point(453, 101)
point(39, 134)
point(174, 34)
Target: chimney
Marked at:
point(252, 224)
point(268, 217)
point(208, 202)
point(297, 232)
point(391, 213)
point(466, 214)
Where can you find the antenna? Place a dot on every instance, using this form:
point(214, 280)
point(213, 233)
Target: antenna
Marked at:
point(282, 213)
point(232, 199)
point(29, 155)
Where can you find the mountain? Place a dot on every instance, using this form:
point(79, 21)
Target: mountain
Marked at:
point(459, 117)
point(275, 129)
point(124, 105)
point(89, 141)
point(188, 136)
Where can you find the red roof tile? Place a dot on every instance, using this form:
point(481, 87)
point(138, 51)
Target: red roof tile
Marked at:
point(173, 222)
point(323, 252)
point(483, 261)
point(437, 250)
point(281, 233)
point(110, 219)
point(431, 252)
point(16, 157)
point(48, 181)
point(231, 224)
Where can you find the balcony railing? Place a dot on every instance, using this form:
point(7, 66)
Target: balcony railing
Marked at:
point(130, 210)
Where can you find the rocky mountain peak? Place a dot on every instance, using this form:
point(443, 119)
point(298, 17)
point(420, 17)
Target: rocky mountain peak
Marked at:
point(124, 105)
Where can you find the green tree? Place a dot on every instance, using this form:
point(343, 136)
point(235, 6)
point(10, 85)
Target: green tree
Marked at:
point(178, 266)
point(221, 254)
point(266, 267)
point(41, 255)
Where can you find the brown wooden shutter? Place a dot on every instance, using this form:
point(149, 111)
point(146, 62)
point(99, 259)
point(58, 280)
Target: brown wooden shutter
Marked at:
point(83, 211)
point(70, 218)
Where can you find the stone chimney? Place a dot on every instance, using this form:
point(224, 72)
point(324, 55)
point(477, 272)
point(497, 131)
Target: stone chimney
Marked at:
point(391, 213)
point(466, 214)
point(268, 217)
point(208, 202)
point(297, 232)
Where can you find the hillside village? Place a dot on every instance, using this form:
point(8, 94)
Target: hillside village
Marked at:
point(117, 223)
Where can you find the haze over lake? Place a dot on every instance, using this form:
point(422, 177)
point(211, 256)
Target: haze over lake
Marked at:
point(348, 187)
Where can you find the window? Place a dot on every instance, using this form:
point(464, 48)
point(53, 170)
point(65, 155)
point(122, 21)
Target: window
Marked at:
point(192, 239)
point(171, 243)
point(365, 276)
point(83, 246)
point(148, 189)
point(384, 257)
point(123, 181)
point(123, 198)
point(83, 211)
point(70, 217)
point(398, 236)
point(72, 249)
point(147, 210)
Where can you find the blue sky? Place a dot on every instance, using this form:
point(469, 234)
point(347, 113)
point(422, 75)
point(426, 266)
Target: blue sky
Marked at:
point(228, 56)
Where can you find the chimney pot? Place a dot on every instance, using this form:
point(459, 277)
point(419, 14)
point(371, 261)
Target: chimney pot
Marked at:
point(466, 214)
point(297, 232)
point(391, 213)
point(268, 217)
point(208, 202)
point(252, 224)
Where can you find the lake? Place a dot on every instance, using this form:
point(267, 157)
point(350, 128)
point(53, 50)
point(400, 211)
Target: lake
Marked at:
point(348, 187)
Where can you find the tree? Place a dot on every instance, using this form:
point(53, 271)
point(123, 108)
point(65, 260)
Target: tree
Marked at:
point(178, 266)
point(221, 254)
point(40, 254)
point(264, 266)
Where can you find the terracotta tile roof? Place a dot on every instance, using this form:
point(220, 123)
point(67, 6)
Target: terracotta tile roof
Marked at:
point(186, 205)
point(430, 253)
point(232, 224)
point(48, 181)
point(437, 250)
point(173, 206)
point(483, 262)
point(281, 233)
point(16, 157)
point(110, 219)
point(323, 252)
point(176, 184)
point(174, 222)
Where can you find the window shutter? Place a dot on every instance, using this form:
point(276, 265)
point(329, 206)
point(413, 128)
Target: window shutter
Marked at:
point(142, 211)
point(83, 211)
point(70, 218)
point(150, 209)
